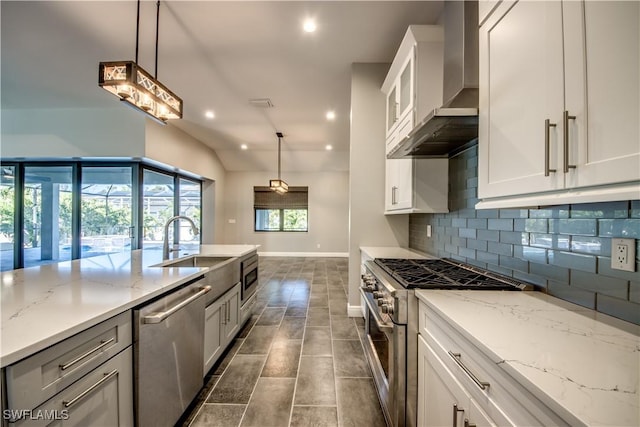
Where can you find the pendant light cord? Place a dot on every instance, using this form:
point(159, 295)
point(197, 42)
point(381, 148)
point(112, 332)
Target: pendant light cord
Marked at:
point(279, 139)
point(157, 31)
point(137, 30)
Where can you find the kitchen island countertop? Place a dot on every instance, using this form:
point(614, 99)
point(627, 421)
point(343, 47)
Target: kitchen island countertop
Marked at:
point(44, 305)
point(582, 364)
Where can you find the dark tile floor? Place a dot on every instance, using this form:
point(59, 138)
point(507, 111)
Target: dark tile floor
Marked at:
point(299, 359)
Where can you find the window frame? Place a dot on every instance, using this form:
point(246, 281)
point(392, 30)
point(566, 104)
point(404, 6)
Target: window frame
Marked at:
point(137, 170)
point(281, 221)
point(267, 203)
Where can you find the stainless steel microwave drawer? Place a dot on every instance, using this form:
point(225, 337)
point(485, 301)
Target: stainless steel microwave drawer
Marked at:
point(39, 377)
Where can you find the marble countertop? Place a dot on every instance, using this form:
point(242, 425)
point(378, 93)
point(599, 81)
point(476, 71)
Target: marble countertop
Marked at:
point(583, 364)
point(43, 305)
point(393, 252)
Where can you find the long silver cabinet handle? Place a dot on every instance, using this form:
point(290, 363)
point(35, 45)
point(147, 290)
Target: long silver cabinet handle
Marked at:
point(224, 315)
point(107, 376)
point(159, 317)
point(455, 414)
point(456, 356)
point(547, 126)
point(100, 346)
point(566, 117)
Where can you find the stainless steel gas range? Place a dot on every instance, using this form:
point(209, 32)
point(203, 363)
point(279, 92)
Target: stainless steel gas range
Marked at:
point(391, 322)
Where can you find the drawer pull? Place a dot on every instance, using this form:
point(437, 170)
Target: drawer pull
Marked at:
point(456, 356)
point(107, 376)
point(102, 345)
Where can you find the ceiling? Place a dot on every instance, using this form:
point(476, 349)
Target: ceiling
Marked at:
point(215, 55)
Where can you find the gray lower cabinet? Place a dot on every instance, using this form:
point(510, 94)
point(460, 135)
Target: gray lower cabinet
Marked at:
point(86, 379)
point(103, 397)
point(221, 323)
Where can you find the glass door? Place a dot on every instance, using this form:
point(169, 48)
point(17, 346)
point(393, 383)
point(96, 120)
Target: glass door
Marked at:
point(48, 214)
point(189, 206)
point(7, 217)
point(106, 209)
point(157, 207)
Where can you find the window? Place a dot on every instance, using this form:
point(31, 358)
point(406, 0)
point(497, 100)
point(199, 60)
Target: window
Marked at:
point(281, 212)
point(64, 210)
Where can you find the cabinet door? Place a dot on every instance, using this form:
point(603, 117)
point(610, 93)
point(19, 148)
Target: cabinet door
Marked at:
point(406, 87)
point(103, 397)
point(213, 317)
point(232, 311)
point(392, 109)
point(442, 400)
point(521, 86)
point(399, 184)
point(602, 81)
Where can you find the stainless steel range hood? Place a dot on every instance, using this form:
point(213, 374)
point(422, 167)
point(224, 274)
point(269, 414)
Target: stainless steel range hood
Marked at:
point(454, 127)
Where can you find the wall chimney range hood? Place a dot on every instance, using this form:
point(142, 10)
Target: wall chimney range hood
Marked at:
point(452, 128)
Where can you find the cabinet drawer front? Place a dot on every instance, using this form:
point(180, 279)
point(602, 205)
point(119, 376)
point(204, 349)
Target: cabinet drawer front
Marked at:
point(37, 378)
point(102, 397)
point(503, 399)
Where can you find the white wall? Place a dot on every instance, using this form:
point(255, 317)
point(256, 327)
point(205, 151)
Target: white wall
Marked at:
point(66, 133)
point(171, 146)
point(328, 214)
point(368, 226)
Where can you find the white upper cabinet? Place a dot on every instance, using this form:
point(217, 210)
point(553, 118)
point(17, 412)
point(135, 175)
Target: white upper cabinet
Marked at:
point(559, 103)
point(413, 88)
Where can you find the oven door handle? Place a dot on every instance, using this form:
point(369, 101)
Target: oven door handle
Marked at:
point(384, 327)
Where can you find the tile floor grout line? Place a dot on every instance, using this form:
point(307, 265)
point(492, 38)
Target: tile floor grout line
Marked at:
point(304, 332)
point(255, 386)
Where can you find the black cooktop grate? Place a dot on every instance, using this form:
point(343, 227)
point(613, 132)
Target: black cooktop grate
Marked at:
point(444, 274)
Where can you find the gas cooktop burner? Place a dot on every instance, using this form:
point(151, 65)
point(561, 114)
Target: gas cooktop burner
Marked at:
point(444, 274)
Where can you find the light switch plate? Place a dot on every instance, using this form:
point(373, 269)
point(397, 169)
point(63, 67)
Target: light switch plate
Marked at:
point(623, 254)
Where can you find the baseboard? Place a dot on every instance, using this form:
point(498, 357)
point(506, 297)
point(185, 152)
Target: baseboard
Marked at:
point(307, 254)
point(355, 310)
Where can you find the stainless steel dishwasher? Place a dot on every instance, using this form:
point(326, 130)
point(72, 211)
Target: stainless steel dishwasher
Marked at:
point(168, 354)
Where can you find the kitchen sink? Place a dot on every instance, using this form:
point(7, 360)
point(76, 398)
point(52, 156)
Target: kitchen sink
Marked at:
point(197, 261)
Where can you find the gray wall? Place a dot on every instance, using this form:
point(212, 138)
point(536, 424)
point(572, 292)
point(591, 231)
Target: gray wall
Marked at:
point(563, 250)
point(368, 226)
point(328, 214)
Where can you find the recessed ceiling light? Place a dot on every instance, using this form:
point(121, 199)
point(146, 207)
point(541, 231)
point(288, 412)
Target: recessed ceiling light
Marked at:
point(244, 146)
point(331, 115)
point(328, 148)
point(309, 25)
point(209, 115)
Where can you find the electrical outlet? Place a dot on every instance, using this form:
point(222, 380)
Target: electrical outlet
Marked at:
point(623, 254)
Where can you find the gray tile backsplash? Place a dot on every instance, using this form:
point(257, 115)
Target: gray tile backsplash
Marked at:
point(563, 250)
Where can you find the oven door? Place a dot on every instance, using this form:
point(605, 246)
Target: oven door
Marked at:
point(385, 349)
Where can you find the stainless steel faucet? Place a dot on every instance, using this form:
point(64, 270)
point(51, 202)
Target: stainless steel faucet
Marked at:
point(165, 241)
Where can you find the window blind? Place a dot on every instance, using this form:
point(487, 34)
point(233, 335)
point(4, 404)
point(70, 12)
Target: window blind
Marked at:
point(295, 198)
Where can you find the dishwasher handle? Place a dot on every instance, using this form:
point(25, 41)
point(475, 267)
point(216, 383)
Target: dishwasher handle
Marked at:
point(159, 317)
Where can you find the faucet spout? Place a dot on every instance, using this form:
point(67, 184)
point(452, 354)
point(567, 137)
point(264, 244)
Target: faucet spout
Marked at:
point(165, 240)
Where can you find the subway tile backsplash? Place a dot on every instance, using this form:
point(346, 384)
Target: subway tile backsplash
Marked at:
point(563, 250)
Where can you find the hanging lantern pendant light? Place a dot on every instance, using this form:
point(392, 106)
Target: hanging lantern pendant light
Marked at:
point(136, 87)
point(278, 185)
